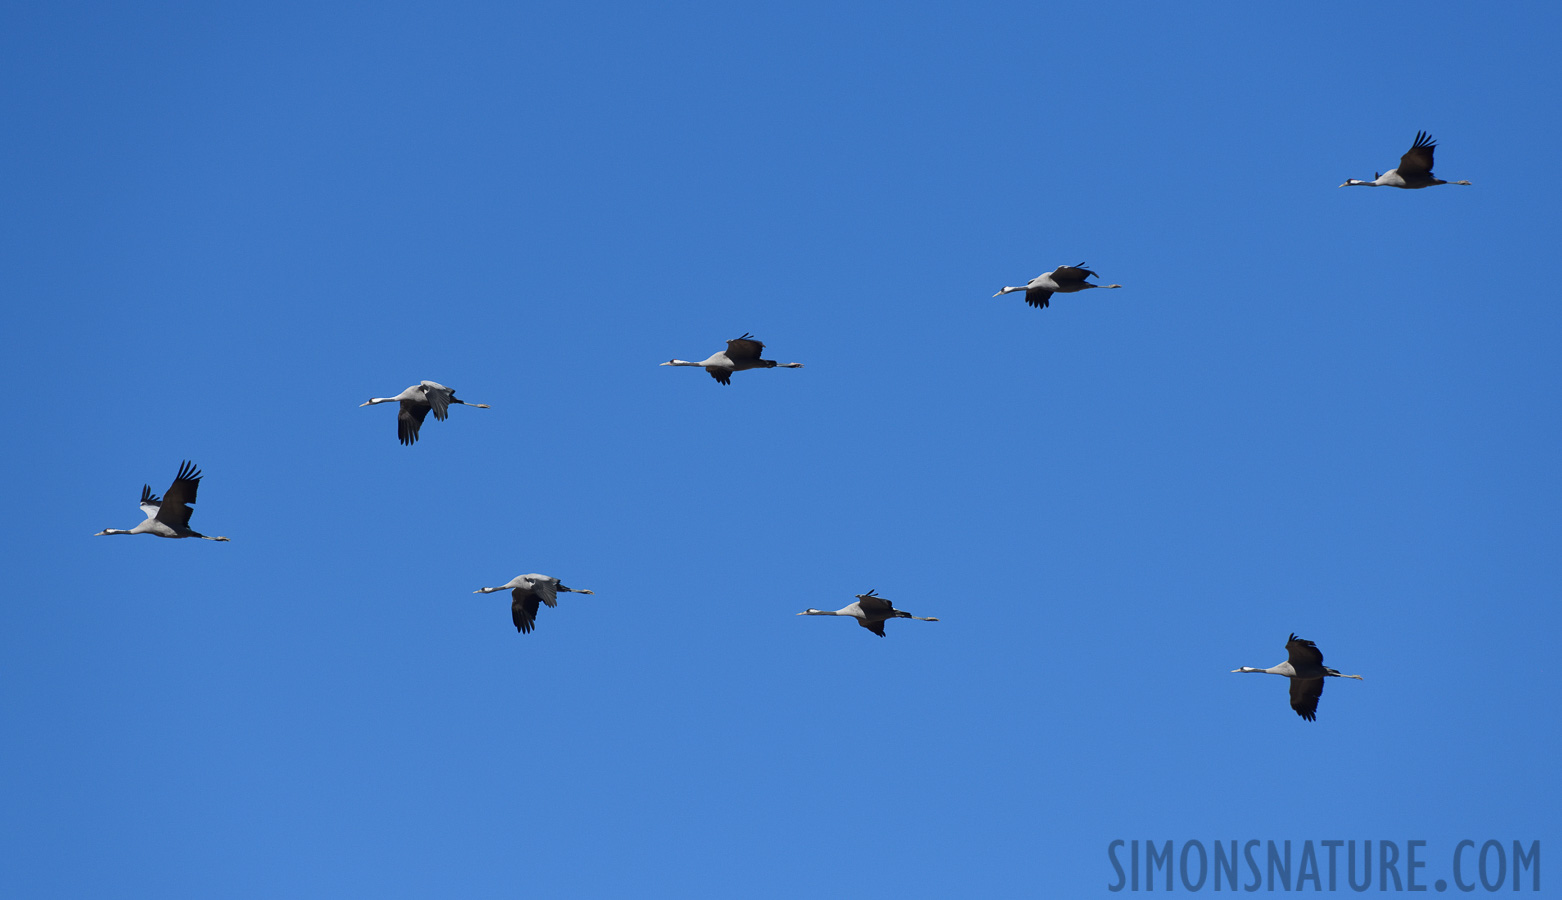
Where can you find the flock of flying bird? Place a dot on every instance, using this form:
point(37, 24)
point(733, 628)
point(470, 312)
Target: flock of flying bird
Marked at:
point(169, 516)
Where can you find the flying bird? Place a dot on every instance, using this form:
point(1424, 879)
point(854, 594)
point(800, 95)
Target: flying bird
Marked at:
point(169, 515)
point(871, 612)
point(741, 353)
point(416, 401)
point(1306, 670)
point(1062, 280)
point(526, 592)
point(1415, 169)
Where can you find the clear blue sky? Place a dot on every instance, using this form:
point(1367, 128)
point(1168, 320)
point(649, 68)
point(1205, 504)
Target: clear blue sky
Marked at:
point(1326, 411)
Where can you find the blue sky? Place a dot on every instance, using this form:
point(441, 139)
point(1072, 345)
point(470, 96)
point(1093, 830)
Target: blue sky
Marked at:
point(1326, 411)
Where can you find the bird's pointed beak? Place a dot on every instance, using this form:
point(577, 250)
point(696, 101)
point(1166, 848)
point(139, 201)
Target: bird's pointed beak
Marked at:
point(999, 294)
point(582, 591)
point(365, 403)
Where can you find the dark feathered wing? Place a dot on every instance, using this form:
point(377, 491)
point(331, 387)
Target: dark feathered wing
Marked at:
point(1072, 273)
point(1304, 696)
point(546, 593)
point(523, 610)
point(1303, 653)
point(409, 420)
point(1037, 297)
point(722, 375)
point(1418, 161)
point(745, 347)
point(873, 604)
point(174, 510)
point(875, 627)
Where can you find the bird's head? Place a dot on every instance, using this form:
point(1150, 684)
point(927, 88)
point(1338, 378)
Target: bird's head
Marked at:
point(670, 362)
point(369, 402)
point(810, 611)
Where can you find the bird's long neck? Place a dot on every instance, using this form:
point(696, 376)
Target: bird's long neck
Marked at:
point(374, 400)
point(683, 362)
point(115, 531)
point(487, 590)
point(1274, 671)
point(1011, 289)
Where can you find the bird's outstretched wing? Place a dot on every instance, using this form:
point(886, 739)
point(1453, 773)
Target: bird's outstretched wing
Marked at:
point(546, 593)
point(745, 347)
point(409, 420)
point(175, 510)
point(877, 627)
point(438, 397)
point(1037, 297)
point(149, 501)
point(1304, 696)
point(1303, 653)
point(1072, 273)
point(523, 610)
point(873, 603)
point(722, 375)
point(1418, 160)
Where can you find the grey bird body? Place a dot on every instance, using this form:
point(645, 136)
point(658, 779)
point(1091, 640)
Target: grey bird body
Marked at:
point(1304, 666)
point(742, 353)
point(416, 403)
point(168, 516)
point(1062, 280)
point(871, 612)
point(526, 593)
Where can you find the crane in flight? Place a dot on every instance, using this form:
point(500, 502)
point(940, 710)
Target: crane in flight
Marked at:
point(742, 353)
point(1062, 280)
point(871, 612)
point(526, 592)
point(169, 515)
point(1414, 172)
point(1304, 666)
point(416, 402)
